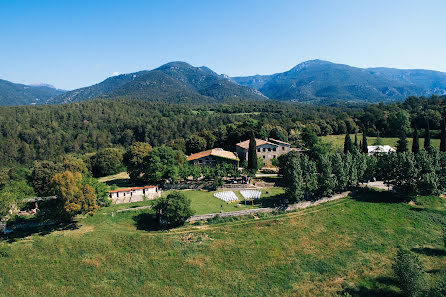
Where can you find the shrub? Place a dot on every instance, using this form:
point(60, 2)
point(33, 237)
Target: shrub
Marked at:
point(439, 288)
point(4, 252)
point(409, 272)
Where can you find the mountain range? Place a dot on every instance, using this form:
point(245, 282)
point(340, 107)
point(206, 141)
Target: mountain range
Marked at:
point(19, 94)
point(178, 82)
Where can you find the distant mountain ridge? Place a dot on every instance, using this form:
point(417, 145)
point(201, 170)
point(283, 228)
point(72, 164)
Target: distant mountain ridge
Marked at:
point(175, 82)
point(20, 94)
point(319, 80)
point(314, 81)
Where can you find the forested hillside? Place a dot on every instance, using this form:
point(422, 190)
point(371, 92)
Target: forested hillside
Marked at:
point(19, 94)
point(29, 133)
point(175, 82)
point(317, 81)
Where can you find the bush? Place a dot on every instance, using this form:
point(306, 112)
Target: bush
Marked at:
point(174, 209)
point(409, 272)
point(4, 252)
point(439, 289)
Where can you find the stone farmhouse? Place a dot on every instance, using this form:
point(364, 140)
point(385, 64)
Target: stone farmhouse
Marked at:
point(212, 157)
point(266, 149)
point(134, 194)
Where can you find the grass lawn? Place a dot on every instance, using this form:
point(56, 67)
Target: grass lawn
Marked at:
point(338, 141)
point(204, 202)
point(341, 246)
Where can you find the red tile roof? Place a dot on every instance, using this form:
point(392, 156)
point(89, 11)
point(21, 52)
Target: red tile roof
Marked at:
point(217, 152)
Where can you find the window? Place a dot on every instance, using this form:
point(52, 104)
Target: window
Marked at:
point(258, 150)
point(269, 149)
point(283, 148)
point(264, 149)
point(274, 156)
point(274, 149)
point(263, 157)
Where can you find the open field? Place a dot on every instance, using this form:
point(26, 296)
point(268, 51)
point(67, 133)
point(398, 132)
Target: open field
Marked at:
point(338, 141)
point(342, 246)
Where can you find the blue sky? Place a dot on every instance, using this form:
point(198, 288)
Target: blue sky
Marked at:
point(72, 44)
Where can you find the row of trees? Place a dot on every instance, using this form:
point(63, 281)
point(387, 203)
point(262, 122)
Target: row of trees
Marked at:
point(305, 178)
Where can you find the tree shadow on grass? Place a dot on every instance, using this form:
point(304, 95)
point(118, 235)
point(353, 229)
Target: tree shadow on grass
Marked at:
point(35, 227)
point(148, 222)
point(375, 196)
point(434, 252)
point(120, 183)
point(381, 286)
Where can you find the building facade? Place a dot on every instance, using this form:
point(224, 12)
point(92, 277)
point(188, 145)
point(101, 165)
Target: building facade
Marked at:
point(266, 149)
point(134, 194)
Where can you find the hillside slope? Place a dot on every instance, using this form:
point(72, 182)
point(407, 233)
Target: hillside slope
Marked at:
point(319, 80)
point(19, 94)
point(175, 82)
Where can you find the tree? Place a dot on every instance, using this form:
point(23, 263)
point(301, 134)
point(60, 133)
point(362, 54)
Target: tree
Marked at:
point(101, 190)
point(409, 273)
point(295, 187)
point(326, 182)
point(416, 142)
point(163, 164)
point(174, 209)
point(42, 175)
point(398, 122)
point(364, 149)
point(12, 194)
point(278, 133)
point(106, 162)
point(134, 160)
point(443, 136)
point(252, 154)
point(74, 196)
point(401, 146)
point(195, 144)
point(378, 140)
point(348, 146)
point(356, 141)
point(341, 178)
point(310, 175)
point(427, 137)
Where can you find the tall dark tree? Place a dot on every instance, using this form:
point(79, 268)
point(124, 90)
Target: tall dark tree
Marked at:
point(427, 136)
point(443, 136)
point(356, 140)
point(401, 146)
point(364, 148)
point(416, 142)
point(252, 154)
point(348, 145)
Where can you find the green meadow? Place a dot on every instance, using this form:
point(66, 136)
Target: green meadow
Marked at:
point(338, 141)
point(344, 246)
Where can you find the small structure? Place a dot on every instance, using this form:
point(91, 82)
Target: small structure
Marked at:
point(134, 194)
point(226, 196)
point(266, 149)
point(212, 157)
point(380, 149)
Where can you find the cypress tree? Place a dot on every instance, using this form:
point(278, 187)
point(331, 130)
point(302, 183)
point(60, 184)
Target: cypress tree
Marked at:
point(416, 142)
point(443, 136)
point(295, 187)
point(356, 140)
point(252, 154)
point(401, 146)
point(365, 150)
point(427, 137)
point(348, 146)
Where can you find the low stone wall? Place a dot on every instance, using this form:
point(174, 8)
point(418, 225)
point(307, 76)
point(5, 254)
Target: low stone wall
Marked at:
point(300, 205)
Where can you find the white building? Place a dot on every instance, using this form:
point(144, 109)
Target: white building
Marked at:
point(380, 149)
point(134, 194)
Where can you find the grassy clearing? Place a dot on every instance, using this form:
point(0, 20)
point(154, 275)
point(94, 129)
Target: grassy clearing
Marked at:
point(338, 141)
point(342, 246)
